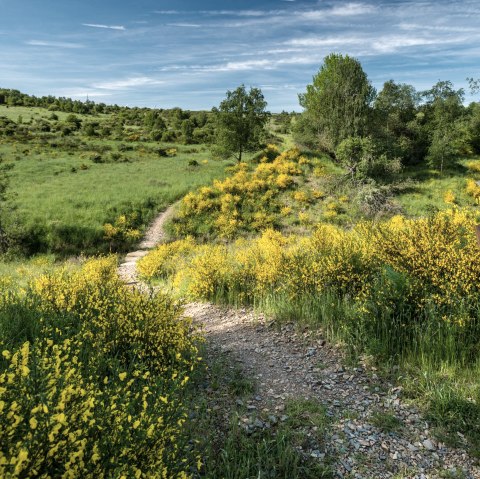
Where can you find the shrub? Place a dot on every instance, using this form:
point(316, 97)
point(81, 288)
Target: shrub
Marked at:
point(472, 189)
point(103, 359)
point(245, 201)
point(121, 233)
point(449, 197)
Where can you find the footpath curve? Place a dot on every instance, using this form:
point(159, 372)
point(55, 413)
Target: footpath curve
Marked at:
point(286, 364)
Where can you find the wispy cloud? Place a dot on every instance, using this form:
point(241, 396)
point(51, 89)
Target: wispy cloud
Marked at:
point(168, 12)
point(54, 44)
point(351, 9)
point(127, 83)
point(184, 25)
point(83, 93)
point(262, 64)
point(315, 41)
point(99, 25)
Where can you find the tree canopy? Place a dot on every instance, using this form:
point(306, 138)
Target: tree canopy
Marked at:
point(240, 122)
point(337, 103)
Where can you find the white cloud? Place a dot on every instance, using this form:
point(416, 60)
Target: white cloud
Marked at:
point(237, 13)
point(110, 27)
point(42, 43)
point(127, 83)
point(392, 43)
point(349, 9)
point(238, 66)
point(82, 93)
point(168, 12)
point(324, 41)
point(436, 28)
point(185, 25)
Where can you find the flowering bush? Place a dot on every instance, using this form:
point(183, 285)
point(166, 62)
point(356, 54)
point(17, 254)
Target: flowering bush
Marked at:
point(121, 231)
point(243, 202)
point(473, 189)
point(440, 255)
point(449, 197)
point(97, 391)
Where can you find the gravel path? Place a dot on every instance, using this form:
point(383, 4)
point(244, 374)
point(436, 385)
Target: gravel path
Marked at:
point(288, 364)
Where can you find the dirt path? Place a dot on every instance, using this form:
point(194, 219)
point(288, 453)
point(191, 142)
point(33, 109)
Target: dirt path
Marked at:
point(154, 235)
point(287, 364)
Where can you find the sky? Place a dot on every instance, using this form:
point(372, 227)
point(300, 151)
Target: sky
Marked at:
point(188, 53)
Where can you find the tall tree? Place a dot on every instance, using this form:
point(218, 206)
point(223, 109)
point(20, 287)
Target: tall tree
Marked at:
point(240, 122)
point(396, 126)
point(337, 103)
point(445, 110)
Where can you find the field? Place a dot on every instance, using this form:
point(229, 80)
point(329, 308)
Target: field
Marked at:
point(382, 270)
point(66, 189)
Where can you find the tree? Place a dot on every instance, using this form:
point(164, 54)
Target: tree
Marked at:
point(337, 103)
point(240, 122)
point(445, 111)
point(396, 126)
point(187, 131)
point(362, 158)
point(474, 85)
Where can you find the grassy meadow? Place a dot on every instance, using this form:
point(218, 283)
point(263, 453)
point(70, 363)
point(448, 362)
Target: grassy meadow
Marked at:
point(66, 188)
point(387, 266)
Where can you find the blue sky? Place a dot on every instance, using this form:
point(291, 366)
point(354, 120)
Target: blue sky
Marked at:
point(188, 53)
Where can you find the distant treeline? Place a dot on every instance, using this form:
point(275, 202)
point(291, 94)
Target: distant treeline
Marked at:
point(113, 121)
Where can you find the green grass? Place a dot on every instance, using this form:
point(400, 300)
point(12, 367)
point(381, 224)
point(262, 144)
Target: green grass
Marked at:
point(230, 451)
point(386, 421)
point(64, 198)
point(430, 187)
point(450, 397)
point(21, 271)
point(36, 113)
point(423, 194)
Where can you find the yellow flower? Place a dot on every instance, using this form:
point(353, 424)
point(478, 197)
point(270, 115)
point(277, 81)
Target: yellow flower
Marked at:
point(33, 423)
point(122, 376)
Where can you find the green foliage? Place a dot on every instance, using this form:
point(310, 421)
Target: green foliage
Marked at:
point(361, 158)
point(337, 103)
point(187, 131)
point(443, 151)
point(240, 122)
point(81, 355)
point(58, 211)
point(396, 126)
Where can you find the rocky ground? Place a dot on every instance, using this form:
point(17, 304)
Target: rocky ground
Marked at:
point(373, 433)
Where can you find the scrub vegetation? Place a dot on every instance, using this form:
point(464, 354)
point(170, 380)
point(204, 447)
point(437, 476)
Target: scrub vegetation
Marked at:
point(355, 218)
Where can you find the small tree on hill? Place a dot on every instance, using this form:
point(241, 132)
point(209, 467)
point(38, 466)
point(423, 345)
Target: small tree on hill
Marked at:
point(240, 122)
